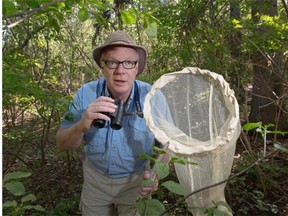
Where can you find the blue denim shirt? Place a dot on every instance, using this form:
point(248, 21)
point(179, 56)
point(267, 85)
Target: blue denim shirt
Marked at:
point(115, 153)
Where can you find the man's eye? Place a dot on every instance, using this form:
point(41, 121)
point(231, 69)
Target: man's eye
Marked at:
point(129, 63)
point(112, 62)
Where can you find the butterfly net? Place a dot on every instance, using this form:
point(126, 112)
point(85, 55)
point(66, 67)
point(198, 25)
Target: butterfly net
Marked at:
point(195, 114)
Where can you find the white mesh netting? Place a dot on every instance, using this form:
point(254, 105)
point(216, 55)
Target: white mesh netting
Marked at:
point(195, 114)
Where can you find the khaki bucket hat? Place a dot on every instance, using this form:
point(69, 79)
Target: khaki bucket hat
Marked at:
point(121, 38)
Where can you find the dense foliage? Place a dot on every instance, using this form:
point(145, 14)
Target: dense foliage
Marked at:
point(47, 54)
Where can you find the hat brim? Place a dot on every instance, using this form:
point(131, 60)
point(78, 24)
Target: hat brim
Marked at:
point(97, 52)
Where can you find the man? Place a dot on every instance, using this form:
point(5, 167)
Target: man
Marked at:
point(113, 170)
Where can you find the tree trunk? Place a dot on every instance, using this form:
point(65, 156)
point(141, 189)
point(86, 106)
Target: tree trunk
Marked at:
point(234, 43)
point(269, 84)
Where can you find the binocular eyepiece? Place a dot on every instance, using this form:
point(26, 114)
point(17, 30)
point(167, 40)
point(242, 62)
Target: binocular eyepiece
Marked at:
point(116, 117)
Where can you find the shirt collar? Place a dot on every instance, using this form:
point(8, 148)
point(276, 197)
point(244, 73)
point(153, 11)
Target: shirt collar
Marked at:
point(130, 99)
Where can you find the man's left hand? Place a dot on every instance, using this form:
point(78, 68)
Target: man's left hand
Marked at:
point(147, 190)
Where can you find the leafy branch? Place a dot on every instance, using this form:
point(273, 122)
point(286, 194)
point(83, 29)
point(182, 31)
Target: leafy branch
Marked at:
point(263, 130)
point(28, 13)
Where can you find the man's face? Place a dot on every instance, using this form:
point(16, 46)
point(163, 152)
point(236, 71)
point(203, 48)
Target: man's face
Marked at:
point(120, 80)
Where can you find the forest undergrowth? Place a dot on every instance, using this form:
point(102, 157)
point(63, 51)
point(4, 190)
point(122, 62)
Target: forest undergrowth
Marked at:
point(56, 179)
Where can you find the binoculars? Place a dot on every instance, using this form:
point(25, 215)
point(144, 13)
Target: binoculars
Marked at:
point(116, 117)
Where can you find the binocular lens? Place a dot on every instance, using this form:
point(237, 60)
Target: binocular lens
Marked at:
point(99, 123)
point(116, 117)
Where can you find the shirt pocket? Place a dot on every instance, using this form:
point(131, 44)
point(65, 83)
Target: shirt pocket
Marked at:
point(138, 139)
point(95, 141)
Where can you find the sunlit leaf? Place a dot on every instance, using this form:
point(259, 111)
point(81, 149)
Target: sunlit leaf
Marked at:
point(128, 17)
point(37, 64)
point(250, 126)
point(83, 14)
point(151, 29)
point(61, 5)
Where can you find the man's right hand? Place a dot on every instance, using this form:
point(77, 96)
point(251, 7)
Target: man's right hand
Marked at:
point(96, 109)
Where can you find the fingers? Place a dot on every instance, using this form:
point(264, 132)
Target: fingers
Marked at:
point(97, 110)
point(146, 174)
point(100, 106)
point(147, 190)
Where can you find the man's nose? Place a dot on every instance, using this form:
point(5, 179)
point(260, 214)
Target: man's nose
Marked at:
point(120, 68)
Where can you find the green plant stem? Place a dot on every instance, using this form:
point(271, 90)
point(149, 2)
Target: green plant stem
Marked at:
point(219, 183)
point(257, 168)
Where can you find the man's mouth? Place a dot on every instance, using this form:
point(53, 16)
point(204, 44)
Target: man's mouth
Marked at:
point(119, 81)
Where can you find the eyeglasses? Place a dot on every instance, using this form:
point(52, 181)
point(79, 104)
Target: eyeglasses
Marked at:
point(113, 64)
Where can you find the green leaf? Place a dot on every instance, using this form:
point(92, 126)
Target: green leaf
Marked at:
point(146, 157)
point(217, 212)
point(147, 182)
point(15, 187)
point(9, 204)
point(100, 5)
point(182, 160)
point(250, 126)
point(175, 187)
point(269, 125)
point(15, 175)
point(155, 207)
point(151, 29)
point(140, 205)
point(9, 7)
point(38, 65)
point(35, 207)
point(29, 197)
point(222, 203)
point(33, 3)
point(159, 150)
point(281, 147)
point(128, 17)
point(83, 14)
point(54, 23)
point(69, 116)
point(61, 5)
point(74, 105)
point(42, 110)
point(162, 170)
point(277, 132)
point(150, 207)
point(101, 19)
